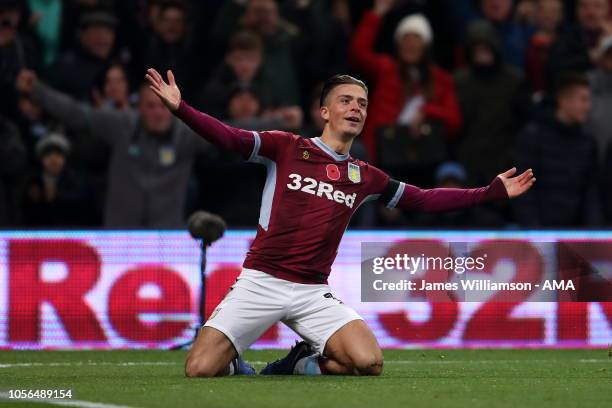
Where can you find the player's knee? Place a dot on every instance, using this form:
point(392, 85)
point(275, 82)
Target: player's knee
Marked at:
point(199, 368)
point(368, 364)
point(373, 367)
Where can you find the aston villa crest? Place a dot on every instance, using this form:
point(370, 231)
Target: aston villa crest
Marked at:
point(353, 173)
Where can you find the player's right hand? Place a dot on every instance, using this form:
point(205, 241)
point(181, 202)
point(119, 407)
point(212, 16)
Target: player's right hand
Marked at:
point(169, 93)
point(25, 81)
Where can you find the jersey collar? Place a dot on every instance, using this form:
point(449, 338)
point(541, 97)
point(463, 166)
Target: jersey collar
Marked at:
point(329, 150)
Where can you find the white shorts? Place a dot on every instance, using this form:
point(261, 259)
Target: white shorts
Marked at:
point(258, 300)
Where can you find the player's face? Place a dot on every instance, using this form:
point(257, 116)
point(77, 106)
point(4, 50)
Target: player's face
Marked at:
point(345, 110)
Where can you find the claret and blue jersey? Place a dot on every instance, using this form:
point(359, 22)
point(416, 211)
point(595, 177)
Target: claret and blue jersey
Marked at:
point(310, 194)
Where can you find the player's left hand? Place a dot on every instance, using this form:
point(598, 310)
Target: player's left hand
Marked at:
point(515, 186)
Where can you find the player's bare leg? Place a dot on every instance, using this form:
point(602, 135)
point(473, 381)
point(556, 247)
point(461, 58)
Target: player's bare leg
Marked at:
point(352, 350)
point(211, 355)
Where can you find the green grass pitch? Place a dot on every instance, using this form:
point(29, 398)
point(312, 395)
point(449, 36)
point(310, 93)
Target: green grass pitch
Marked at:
point(412, 378)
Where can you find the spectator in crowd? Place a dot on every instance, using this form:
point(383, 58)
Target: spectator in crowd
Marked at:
point(515, 35)
point(288, 117)
point(128, 28)
point(243, 66)
point(328, 50)
point(576, 48)
point(462, 12)
point(76, 70)
point(563, 155)
point(283, 41)
point(493, 102)
point(13, 159)
point(112, 89)
point(319, 21)
point(56, 195)
point(408, 89)
point(244, 104)
point(33, 125)
point(242, 91)
point(245, 111)
point(170, 45)
point(17, 51)
point(526, 11)
point(72, 11)
point(507, 16)
point(600, 121)
point(151, 15)
point(152, 153)
point(547, 20)
point(255, 58)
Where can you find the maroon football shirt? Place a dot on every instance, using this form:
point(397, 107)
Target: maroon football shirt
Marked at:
point(310, 194)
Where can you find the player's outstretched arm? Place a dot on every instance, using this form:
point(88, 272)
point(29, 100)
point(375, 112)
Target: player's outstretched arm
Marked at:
point(504, 186)
point(209, 128)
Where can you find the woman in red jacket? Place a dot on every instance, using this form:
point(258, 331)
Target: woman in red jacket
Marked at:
point(409, 88)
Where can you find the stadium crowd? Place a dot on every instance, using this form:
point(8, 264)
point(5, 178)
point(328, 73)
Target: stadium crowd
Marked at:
point(460, 90)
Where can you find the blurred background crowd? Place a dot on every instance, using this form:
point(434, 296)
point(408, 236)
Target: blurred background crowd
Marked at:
point(460, 90)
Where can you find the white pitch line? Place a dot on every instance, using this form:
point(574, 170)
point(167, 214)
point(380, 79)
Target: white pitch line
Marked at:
point(64, 402)
point(596, 360)
point(91, 363)
point(391, 362)
point(593, 360)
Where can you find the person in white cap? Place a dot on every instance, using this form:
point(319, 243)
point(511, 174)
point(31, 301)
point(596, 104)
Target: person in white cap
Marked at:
point(409, 88)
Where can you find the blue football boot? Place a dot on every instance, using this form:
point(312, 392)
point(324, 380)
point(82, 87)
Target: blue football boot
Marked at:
point(241, 367)
point(286, 365)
